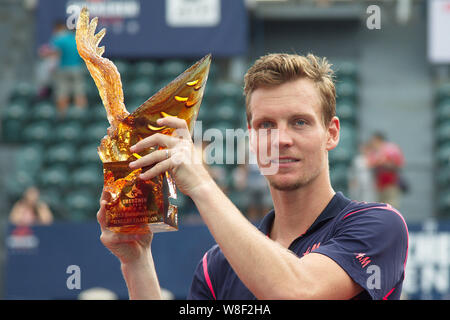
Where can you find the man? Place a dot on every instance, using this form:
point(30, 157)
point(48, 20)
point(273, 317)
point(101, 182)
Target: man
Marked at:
point(69, 75)
point(386, 160)
point(315, 244)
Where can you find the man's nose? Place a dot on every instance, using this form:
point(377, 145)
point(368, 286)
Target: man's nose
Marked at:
point(283, 138)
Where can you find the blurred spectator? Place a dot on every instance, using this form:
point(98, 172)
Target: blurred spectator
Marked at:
point(361, 181)
point(29, 210)
point(69, 74)
point(386, 159)
point(46, 66)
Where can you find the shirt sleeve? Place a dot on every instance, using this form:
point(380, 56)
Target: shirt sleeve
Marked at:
point(371, 246)
point(202, 284)
point(199, 289)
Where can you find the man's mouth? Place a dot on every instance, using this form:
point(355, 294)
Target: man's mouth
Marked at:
point(284, 160)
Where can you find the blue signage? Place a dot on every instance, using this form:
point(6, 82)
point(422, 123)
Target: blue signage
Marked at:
point(157, 28)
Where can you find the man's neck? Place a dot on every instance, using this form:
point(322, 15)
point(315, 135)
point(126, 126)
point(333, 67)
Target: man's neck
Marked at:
point(296, 211)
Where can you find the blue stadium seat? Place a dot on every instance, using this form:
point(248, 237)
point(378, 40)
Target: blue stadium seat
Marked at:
point(171, 68)
point(23, 90)
point(98, 113)
point(346, 70)
point(443, 91)
point(88, 177)
point(39, 132)
point(95, 132)
point(53, 197)
point(346, 111)
point(15, 117)
point(88, 155)
point(443, 154)
point(142, 89)
point(61, 154)
point(346, 90)
point(69, 132)
point(44, 111)
point(443, 111)
point(443, 132)
point(146, 69)
point(30, 158)
point(82, 205)
point(54, 177)
point(81, 115)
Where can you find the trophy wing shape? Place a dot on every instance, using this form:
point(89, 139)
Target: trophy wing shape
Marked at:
point(103, 71)
point(180, 98)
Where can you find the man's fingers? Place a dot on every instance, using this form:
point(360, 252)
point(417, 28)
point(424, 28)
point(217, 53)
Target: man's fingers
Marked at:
point(180, 126)
point(150, 159)
point(157, 169)
point(157, 139)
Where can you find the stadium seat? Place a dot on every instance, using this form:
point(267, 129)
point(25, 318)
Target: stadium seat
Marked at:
point(146, 69)
point(443, 111)
point(443, 154)
point(53, 197)
point(443, 132)
point(82, 205)
point(91, 89)
point(98, 113)
point(39, 132)
point(444, 203)
point(228, 90)
point(81, 115)
point(23, 90)
point(346, 111)
point(228, 111)
point(89, 177)
point(142, 89)
point(339, 177)
point(61, 154)
point(207, 114)
point(346, 71)
point(341, 154)
point(69, 132)
point(19, 180)
point(348, 136)
point(54, 177)
point(15, 117)
point(125, 69)
point(44, 111)
point(95, 132)
point(30, 158)
point(443, 91)
point(171, 68)
point(346, 90)
point(88, 155)
point(443, 177)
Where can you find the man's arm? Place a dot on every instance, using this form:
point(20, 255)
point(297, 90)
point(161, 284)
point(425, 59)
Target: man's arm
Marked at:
point(269, 270)
point(135, 257)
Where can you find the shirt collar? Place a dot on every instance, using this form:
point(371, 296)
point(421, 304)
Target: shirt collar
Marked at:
point(334, 207)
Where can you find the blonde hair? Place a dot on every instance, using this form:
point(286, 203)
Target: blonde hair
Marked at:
point(278, 68)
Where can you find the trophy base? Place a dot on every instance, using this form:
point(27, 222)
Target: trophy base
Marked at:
point(144, 228)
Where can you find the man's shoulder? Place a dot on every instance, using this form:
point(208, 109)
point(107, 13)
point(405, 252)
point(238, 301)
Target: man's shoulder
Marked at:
point(372, 214)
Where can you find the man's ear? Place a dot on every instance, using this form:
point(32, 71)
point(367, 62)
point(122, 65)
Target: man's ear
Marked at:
point(333, 132)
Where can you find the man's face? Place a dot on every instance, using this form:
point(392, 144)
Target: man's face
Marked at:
point(303, 141)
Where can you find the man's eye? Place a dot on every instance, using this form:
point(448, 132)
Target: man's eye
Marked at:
point(266, 125)
point(300, 122)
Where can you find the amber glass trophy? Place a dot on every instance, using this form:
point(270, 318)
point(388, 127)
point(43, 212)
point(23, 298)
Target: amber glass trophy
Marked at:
point(137, 206)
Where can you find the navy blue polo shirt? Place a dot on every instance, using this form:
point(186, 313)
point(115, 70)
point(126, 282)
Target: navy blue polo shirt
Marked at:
point(368, 240)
